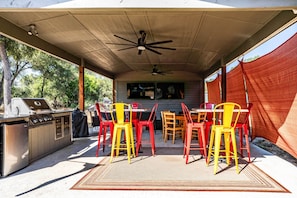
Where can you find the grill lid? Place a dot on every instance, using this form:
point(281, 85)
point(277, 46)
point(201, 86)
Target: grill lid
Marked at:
point(36, 104)
point(25, 106)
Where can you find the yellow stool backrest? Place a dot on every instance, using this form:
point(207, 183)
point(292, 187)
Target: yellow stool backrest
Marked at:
point(229, 116)
point(123, 113)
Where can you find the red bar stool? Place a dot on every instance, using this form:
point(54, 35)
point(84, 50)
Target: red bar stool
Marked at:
point(243, 131)
point(150, 124)
point(136, 116)
point(208, 121)
point(190, 126)
point(105, 123)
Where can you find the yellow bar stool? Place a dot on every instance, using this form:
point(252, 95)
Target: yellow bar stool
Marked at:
point(225, 117)
point(122, 122)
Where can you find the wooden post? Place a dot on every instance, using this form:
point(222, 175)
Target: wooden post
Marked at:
point(81, 82)
point(114, 94)
point(224, 81)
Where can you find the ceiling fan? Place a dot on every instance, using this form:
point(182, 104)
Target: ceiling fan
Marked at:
point(156, 71)
point(141, 44)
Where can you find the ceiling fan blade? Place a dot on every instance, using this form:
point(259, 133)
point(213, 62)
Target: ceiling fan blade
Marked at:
point(159, 42)
point(127, 44)
point(168, 48)
point(161, 73)
point(126, 48)
point(125, 39)
point(148, 48)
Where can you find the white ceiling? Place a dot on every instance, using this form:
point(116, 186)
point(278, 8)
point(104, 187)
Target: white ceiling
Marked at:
point(204, 38)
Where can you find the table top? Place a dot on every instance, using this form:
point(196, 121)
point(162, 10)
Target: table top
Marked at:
point(197, 110)
point(133, 110)
point(140, 110)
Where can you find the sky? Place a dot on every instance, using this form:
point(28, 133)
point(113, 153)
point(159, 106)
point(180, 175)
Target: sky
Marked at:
point(273, 43)
point(263, 49)
point(269, 45)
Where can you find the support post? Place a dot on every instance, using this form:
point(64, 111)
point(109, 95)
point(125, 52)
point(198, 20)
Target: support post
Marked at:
point(114, 92)
point(81, 82)
point(224, 81)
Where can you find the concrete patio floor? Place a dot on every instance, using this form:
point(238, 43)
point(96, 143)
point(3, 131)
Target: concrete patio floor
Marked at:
point(55, 174)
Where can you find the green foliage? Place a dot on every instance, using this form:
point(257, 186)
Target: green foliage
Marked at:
point(39, 75)
point(252, 58)
point(96, 88)
point(19, 57)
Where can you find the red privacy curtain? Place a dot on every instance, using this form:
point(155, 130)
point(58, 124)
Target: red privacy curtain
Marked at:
point(271, 84)
point(214, 90)
point(272, 88)
point(235, 87)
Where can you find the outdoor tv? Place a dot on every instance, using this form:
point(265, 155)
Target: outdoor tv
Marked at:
point(170, 90)
point(144, 90)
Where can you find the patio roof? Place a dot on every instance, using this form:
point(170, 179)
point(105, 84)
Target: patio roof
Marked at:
point(206, 35)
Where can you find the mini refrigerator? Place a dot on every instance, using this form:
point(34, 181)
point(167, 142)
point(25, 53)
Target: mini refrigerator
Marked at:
point(14, 149)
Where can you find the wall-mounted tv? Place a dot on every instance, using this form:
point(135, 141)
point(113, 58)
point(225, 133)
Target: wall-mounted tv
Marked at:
point(170, 91)
point(144, 90)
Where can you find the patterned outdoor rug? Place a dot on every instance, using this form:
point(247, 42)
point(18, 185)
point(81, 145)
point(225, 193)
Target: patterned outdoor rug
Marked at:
point(168, 171)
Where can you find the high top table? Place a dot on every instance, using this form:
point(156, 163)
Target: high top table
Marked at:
point(197, 110)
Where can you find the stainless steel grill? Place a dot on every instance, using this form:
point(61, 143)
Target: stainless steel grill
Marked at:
point(48, 130)
point(37, 109)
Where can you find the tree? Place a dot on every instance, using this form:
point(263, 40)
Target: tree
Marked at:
point(53, 79)
point(14, 58)
point(6, 74)
point(96, 87)
point(32, 73)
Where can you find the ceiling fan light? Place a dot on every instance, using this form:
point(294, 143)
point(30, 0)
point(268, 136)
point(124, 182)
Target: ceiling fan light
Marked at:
point(142, 48)
point(154, 73)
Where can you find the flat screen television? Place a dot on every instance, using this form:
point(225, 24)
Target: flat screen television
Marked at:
point(144, 90)
point(170, 90)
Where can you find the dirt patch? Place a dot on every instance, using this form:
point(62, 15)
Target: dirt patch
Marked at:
point(275, 150)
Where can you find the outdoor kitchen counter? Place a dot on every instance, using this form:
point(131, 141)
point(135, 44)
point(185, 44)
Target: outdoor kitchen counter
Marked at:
point(52, 133)
point(50, 136)
point(13, 118)
point(39, 130)
point(62, 112)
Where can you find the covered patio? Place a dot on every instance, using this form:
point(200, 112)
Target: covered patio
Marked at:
point(206, 36)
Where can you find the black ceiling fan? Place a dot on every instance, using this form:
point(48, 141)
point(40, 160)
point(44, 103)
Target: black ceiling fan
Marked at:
point(156, 71)
point(141, 44)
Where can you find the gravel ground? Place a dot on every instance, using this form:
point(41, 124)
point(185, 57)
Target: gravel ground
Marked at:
point(272, 148)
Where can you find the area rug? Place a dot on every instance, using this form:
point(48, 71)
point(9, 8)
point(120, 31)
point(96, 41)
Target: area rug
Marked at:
point(167, 171)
